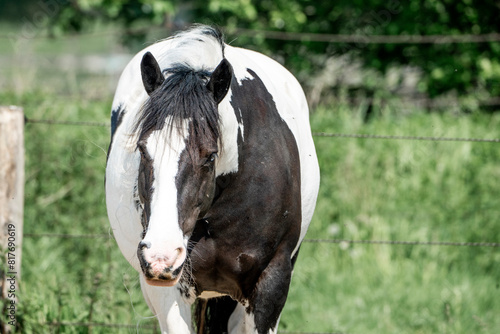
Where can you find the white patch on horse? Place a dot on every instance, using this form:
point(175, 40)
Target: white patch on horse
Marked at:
point(204, 51)
point(211, 294)
point(167, 242)
point(240, 126)
point(228, 155)
point(241, 322)
point(121, 173)
point(167, 304)
point(240, 72)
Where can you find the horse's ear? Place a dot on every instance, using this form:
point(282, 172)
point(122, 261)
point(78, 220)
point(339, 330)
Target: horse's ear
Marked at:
point(151, 74)
point(220, 80)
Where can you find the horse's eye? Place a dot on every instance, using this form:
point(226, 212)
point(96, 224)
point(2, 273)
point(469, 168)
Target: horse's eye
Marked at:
point(211, 159)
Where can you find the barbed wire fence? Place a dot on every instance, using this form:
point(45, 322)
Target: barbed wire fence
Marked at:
point(291, 36)
point(154, 327)
point(316, 134)
point(325, 241)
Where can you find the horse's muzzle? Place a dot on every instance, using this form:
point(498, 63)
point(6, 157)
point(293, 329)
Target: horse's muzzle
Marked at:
point(161, 269)
point(168, 277)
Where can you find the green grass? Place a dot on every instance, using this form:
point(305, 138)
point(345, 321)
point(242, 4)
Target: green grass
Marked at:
point(402, 190)
point(370, 190)
point(70, 280)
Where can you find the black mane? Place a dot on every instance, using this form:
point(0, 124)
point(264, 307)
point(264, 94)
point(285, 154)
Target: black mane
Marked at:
point(182, 95)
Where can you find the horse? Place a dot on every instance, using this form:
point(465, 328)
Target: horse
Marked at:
point(211, 181)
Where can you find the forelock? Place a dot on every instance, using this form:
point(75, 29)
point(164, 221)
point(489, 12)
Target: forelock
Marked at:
point(183, 95)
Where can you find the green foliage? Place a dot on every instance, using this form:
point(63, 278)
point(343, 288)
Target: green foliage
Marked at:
point(370, 190)
point(457, 67)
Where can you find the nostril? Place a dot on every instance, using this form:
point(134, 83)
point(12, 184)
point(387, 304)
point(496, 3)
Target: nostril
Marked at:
point(144, 244)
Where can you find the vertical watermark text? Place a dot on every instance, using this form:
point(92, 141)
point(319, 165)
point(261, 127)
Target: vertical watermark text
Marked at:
point(10, 288)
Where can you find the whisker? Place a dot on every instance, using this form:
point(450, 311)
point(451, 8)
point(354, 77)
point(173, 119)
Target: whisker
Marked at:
point(198, 255)
point(132, 303)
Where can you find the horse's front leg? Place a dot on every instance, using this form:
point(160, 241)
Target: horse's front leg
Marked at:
point(171, 308)
point(262, 313)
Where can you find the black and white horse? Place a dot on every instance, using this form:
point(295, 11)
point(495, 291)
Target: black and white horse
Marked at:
point(211, 181)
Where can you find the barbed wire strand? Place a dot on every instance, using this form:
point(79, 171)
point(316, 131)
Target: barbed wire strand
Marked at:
point(358, 38)
point(67, 236)
point(146, 326)
point(408, 243)
point(369, 39)
point(59, 122)
point(316, 134)
point(97, 324)
point(372, 136)
point(295, 332)
point(330, 241)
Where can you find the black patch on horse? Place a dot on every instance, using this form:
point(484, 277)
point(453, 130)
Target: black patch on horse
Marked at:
point(116, 120)
point(144, 185)
point(213, 314)
point(254, 222)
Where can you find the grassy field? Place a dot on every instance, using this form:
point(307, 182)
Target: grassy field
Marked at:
point(370, 190)
point(400, 190)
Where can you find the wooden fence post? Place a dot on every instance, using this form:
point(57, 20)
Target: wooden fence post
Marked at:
point(11, 211)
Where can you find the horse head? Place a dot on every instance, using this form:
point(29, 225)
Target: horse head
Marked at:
point(178, 137)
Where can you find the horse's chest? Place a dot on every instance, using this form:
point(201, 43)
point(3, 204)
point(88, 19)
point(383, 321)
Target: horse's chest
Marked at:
point(225, 269)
